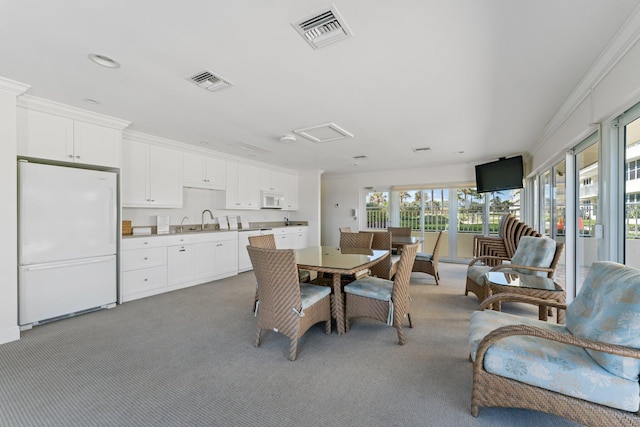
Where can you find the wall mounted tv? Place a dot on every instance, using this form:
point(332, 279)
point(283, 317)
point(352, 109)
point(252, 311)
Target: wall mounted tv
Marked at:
point(504, 174)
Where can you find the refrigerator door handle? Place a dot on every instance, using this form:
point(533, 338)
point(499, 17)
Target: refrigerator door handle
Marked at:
point(52, 265)
point(112, 206)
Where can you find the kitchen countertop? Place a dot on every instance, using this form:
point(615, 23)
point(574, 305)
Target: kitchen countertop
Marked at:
point(213, 228)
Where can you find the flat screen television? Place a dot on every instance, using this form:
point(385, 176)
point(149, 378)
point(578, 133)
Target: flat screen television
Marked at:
point(504, 174)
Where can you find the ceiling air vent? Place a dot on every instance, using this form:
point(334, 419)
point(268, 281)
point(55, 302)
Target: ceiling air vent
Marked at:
point(417, 150)
point(207, 80)
point(324, 133)
point(323, 28)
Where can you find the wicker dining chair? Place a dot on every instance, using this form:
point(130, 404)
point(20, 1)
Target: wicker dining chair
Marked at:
point(382, 299)
point(399, 232)
point(386, 268)
point(268, 241)
point(285, 305)
point(428, 263)
point(356, 240)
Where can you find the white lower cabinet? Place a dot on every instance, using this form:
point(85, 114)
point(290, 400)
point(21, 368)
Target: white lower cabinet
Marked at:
point(216, 255)
point(155, 264)
point(181, 260)
point(293, 237)
point(244, 262)
point(144, 267)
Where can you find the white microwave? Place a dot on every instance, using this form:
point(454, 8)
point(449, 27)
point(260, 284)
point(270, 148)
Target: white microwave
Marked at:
point(271, 200)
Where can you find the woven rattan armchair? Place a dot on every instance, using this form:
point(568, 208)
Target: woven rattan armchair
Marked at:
point(586, 371)
point(382, 299)
point(428, 263)
point(540, 256)
point(285, 305)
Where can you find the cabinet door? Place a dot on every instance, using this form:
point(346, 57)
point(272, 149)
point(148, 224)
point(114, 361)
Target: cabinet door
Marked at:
point(216, 173)
point(165, 177)
point(244, 262)
point(291, 193)
point(96, 145)
point(193, 170)
point(206, 260)
point(134, 173)
point(181, 264)
point(227, 256)
point(44, 136)
point(285, 241)
point(302, 238)
point(231, 195)
point(249, 187)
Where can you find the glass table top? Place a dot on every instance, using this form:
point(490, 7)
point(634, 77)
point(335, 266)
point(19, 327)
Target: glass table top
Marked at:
point(334, 257)
point(528, 281)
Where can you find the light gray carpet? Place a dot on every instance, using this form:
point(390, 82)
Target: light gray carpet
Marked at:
point(186, 358)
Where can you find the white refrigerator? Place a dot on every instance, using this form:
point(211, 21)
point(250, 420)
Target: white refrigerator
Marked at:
point(67, 234)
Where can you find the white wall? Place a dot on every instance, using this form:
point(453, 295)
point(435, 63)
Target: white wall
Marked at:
point(9, 330)
point(340, 194)
point(309, 206)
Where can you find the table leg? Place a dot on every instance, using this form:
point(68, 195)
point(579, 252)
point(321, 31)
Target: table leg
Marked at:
point(338, 306)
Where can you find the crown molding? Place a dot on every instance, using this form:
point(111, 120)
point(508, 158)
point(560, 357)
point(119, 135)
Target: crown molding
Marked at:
point(622, 42)
point(13, 87)
point(46, 106)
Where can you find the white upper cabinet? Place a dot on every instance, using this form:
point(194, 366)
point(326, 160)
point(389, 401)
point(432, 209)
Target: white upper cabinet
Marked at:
point(273, 181)
point(151, 175)
point(49, 136)
point(201, 171)
point(242, 187)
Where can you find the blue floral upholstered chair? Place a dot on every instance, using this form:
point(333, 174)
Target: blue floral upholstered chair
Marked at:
point(534, 255)
point(586, 370)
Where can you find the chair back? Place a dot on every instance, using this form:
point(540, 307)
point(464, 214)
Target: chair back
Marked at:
point(400, 292)
point(400, 231)
point(510, 231)
point(264, 241)
point(537, 252)
point(381, 240)
point(356, 240)
point(436, 248)
point(276, 272)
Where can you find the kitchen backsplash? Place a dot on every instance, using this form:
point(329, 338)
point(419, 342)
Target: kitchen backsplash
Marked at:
point(194, 202)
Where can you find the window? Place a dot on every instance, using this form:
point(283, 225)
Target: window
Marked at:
point(377, 203)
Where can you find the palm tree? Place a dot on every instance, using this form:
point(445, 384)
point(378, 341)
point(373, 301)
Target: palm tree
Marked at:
point(378, 198)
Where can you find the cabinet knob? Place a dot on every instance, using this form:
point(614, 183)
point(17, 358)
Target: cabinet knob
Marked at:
point(145, 258)
point(146, 243)
point(146, 280)
point(70, 156)
point(77, 157)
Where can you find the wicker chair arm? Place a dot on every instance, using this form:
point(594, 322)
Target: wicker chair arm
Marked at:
point(534, 331)
point(487, 258)
point(523, 267)
point(507, 297)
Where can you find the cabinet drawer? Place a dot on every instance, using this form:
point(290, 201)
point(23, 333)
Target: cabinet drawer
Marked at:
point(219, 236)
point(137, 281)
point(143, 242)
point(180, 239)
point(143, 258)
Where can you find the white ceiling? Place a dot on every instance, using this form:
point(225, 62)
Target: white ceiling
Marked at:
point(472, 79)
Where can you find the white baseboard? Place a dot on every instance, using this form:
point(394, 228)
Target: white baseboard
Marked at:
point(9, 334)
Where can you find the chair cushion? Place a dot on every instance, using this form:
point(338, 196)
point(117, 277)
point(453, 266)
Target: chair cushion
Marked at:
point(548, 364)
point(395, 258)
point(534, 252)
point(311, 294)
point(371, 287)
point(424, 257)
point(304, 275)
point(477, 273)
point(607, 309)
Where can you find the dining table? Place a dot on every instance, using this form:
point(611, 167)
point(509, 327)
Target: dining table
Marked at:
point(338, 261)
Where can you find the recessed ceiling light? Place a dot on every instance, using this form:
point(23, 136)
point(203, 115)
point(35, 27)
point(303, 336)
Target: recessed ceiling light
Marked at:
point(288, 139)
point(105, 61)
point(91, 101)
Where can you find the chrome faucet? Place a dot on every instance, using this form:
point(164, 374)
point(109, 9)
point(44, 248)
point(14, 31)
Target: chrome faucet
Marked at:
point(179, 228)
point(210, 215)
